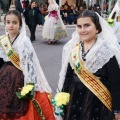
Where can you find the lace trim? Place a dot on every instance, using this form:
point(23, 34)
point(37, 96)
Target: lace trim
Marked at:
point(101, 57)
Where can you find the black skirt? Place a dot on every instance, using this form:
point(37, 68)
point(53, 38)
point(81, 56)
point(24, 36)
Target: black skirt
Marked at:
point(83, 104)
point(11, 80)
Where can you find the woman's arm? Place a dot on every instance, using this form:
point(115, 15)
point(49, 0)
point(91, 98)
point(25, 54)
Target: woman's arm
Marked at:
point(1, 62)
point(68, 79)
point(114, 77)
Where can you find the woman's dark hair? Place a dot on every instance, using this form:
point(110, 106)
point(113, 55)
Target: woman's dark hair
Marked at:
point(33, 1)
point(113, 16)
point(16, 13)
point(93, 16)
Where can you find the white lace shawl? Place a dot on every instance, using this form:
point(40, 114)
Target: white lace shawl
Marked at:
point(29, 62)
point(116, 28)
point(105, 48)
point(54, 6)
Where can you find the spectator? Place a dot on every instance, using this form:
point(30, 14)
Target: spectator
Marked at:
point(97, 9)
point(66, 13)
point(2, 4)
point(84, 4)
point(32, 18)
point(18, 6)
point(66, 3)
point(44, 11)
point(62, 12)
point(72, 13)
point(25, 3)
point(81, 9)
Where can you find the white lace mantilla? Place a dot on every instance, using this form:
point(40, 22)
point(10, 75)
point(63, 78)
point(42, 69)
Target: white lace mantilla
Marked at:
point(30, 65)
point(99, 58)
point(29, 62)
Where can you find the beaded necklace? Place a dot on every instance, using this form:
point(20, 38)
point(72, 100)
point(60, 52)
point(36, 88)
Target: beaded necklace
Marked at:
point(83, 50)
point(14, 39)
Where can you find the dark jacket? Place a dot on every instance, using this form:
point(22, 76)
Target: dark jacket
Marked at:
point(18, 6)
point(32, 19)
point(2, 4)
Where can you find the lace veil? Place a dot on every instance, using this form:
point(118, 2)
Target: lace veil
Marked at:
point(105, 48)
point(29, 62)
point(54, 6)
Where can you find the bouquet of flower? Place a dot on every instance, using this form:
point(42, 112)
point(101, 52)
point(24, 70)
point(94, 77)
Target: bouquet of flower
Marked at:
point(59, 102)
point(27, 92)
point(110, 22)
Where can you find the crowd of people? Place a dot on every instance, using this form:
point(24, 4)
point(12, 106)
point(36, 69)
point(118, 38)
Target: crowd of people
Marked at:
point(90, 70)
point(68, 13)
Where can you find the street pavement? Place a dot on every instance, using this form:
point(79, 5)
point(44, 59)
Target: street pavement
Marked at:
point(50, 56)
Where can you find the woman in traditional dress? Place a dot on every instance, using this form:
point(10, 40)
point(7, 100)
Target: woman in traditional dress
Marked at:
point(91, 70)
point(53, 28)
point(20, 66)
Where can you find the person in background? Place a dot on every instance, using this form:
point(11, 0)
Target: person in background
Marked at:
point(66, 14)
point(25, 3)
point(18, 6)
point(71, 16)
point(32, 18)
point(62, 12)
point(44, 12)
point(2, 4)
point(53, 29)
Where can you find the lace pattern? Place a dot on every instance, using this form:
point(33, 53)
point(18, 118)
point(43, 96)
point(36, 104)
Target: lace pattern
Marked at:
point(66, 58)
point(50, 27)
point(29, 62)
point(116, 29)
point(101, 57)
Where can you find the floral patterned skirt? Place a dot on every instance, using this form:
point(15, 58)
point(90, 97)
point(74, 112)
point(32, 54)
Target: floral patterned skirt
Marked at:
point(53, 30)
point(11, 108)
point(60, 32)
point(11, 80)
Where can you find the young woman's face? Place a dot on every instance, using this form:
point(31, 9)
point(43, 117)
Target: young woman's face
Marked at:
point(86, 29)
point(12, 24)
point(33, 4)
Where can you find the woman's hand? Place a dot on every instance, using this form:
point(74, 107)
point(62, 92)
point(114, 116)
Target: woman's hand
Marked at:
point(117, 116)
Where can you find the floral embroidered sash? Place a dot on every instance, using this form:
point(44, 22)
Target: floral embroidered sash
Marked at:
point(9, 51)
point(90, 80)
